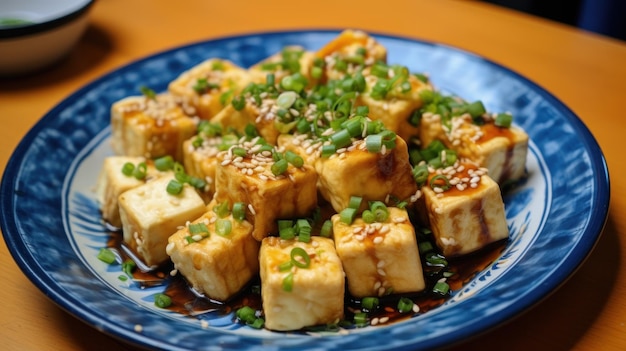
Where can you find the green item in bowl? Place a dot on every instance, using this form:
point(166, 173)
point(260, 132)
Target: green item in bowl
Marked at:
point(13, 22)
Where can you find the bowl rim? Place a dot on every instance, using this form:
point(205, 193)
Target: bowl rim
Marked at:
point(21, 31)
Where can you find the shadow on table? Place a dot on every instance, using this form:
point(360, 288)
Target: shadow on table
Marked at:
point(568, 312)
point(92, 48)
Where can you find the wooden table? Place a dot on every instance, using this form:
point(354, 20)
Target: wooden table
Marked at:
point(586, 71)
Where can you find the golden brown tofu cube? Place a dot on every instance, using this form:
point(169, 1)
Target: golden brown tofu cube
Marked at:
point(217, 265)
point(112, 183)
point(379, 258)
point(372, 176)
point(150, 127)
point(502, 151)
point(469, 215)
point(150, 215)
point(250, 179)
point(301, 296)
point(354, 48)
point(209, 86)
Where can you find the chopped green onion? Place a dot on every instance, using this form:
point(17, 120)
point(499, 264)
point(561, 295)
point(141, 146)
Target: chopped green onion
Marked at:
point(284, 223)
point(222, 209)
point(148, 93)
point(128, 169)
point(293, 158)
point(279, 167)
point(286, 99)
point(327, 228)
point(347, 215)
point(285, 266)
point(476, 109)
point(223, 227)
point(420, 174)
point(174, 187)
point(257, 324)
point(434, 259)
point(355, 202)
point(288, 282)
point(164, 163)
point(162, 300)
point(503, 120)
point(368, 216)
point(328, 150)
point(239, 102)
point(198, 228)
point(239, 211)
point(341, 139)
point(300, 258)
point(287, 233)
point(435, 182)
point(380, 211)
point(140, 171)
point(441, 288)
point(369, 303)
point(128, 266)
point(405, 305)
point(246, 314)
point(303, 228)
point(374, 143)
point(360, 319)
point(239, 151)
point(425, 246)
point(106, 255)
point(196, 182)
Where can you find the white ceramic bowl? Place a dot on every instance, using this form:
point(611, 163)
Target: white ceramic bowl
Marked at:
point(38, 33)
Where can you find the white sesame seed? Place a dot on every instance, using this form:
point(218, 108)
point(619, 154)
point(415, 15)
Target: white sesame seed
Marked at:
point(378, 240)
point(251, 209)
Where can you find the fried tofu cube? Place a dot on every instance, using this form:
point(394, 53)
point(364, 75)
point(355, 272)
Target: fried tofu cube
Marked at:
point(207, 85)
point(150, 127)
point(269, 197)
point(395, 109)
point(372, 176)
point(290, 60)
point(112, 183)
point(502, 151)
point(301, 297)
point(468, 216)
point(353, 48)
point(379, 258)
point(216, 265)
point(149, 215)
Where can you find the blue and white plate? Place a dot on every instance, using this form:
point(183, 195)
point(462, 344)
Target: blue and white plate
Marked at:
point(50, 219)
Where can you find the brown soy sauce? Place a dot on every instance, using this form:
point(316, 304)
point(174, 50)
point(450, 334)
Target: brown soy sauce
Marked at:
point(187, 301)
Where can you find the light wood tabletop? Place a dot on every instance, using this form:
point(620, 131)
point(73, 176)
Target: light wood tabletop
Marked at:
point(587, 72)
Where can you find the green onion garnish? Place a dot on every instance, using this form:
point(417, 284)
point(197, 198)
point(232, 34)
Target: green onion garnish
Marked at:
point(368, 216)
point(164, 163)
point(300, 258)
point(106, 255)
point(347, 215)
point(174, 187)
point(279, 167)
point(293, 158)
point(374, 143)
point(355, 202)
point(405, 305)
point(222, 209)
point(369, 303)
point(380, 211)
point(360, 319)
point(327, 228)
point(140, 171)
point(239, 211)
point(128, 266)
point(441, 288)
point(198, 228)
point(287, 233)
point(503, 120)
point(435, 182)
point(223, 227)
point(128, 169)
point(288, 282)
point(162, 300)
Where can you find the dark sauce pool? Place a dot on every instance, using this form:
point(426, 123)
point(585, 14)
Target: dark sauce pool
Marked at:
point(186, 301)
